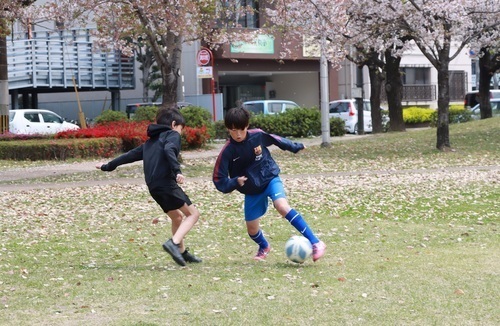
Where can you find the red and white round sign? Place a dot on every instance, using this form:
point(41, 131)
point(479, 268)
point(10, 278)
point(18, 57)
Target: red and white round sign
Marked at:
point(203, 57)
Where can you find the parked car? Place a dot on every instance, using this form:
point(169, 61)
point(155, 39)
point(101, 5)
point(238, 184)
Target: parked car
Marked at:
point(269, 106)
point(30, 121)
point(131, 108)
point(495, 109)
point(347, 110)
point(471, 99)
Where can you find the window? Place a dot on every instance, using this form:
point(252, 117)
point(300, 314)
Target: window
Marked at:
point(275, 107)
point(32, 117)
point(290, 106)
point(416, 76)
point(235, 13)
point(51, 118)
point(339, 107)
point(255, 107)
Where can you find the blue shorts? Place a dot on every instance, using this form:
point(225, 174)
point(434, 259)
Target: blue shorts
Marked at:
point(256, 205)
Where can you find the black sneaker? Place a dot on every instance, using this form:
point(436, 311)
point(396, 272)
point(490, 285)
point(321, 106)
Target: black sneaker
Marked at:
point(173, 250)
point(189, 258)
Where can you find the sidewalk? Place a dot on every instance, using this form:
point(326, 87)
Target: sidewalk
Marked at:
point(63, 168)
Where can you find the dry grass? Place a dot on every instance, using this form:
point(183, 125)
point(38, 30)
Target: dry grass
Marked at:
point(412, 239)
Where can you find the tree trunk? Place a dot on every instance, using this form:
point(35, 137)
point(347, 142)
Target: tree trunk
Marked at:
point(146, 71)
point(443, 130)
point(394, 90)
point(4, 82)
point(485, 74)
point(376, 79)
point(170, 66)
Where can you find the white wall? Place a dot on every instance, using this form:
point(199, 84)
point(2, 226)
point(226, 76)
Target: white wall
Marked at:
point(289, 86)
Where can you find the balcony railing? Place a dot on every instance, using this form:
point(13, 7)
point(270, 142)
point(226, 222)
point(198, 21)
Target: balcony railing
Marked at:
point(58, 60)
point(417, 93)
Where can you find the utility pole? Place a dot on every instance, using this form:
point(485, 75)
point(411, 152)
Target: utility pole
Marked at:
point(359, 100)
point(4, 79)
point(325, 111)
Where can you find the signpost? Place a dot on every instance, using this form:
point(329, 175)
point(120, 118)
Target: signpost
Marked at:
point(203, 58)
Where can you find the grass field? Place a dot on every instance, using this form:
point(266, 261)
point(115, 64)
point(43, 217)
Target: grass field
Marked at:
point(412, 235)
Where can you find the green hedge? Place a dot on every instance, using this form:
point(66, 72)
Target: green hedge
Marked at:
point(109, 116)
point(419, 115)
point(457, 114)
point(60, 149)
point(301, 122)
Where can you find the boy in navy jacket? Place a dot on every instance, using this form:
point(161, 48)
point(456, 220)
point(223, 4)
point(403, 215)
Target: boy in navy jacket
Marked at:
point(163, 174)
point(245, 164)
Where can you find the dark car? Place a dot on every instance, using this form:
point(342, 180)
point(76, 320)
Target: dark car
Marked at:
point(495, 109)
point(471, 98)
point(131, 108)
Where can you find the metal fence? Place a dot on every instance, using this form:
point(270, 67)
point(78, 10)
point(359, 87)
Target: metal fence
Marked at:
point(416, 93)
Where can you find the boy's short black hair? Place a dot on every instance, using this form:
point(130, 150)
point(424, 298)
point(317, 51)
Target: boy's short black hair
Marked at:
point(237, 118)
point(165, 116)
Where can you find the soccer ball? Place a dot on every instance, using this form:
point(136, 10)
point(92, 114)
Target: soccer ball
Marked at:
point(298, 249)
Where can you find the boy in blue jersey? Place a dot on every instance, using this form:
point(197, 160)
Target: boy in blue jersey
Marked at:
point(246, 165)
point(163, 174)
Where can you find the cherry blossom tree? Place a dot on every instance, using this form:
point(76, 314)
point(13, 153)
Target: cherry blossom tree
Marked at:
point(308, 24)
point(165, 25)
point(379, 43)
point(376, 64)
point(441, 29)
point(354, 32)
point(487, 47)
point(9, 11)
point(489, 64)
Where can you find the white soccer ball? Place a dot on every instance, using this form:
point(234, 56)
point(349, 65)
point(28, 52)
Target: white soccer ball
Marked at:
point(298, 249)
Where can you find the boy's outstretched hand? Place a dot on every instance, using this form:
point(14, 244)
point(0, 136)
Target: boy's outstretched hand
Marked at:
point(241, 181)
point(180, 178)
point(98, 166)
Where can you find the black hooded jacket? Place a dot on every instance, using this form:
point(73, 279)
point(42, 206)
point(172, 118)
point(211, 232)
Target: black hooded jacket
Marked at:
point(159, 154)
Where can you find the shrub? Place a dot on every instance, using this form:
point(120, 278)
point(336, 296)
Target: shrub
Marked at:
point(416, 115)
point(59, 149)
point(337, 127)
point(269, 123)
point(220, 130)
point(10, 137)
point(457, 114)
point(197, 117)
point(194, 137)
point(110, 116)
point(132, 133)
point(145, 113)
point(300, 122)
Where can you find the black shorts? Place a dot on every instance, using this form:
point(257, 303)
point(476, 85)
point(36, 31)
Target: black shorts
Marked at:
point(170, 199)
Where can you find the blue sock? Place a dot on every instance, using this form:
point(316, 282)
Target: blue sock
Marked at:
point(298, 222)
point(259, 239)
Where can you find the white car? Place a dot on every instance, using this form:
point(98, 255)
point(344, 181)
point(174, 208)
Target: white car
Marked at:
point(269, 106)
point(347, 110)
point(30, 121)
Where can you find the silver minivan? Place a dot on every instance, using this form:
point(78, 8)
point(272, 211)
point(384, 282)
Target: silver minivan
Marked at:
point(269, 106)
